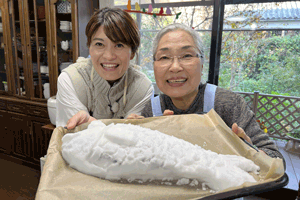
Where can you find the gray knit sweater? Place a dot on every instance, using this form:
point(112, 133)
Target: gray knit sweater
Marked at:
point(232, 108)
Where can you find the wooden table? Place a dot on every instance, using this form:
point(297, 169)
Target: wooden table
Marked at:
point(48, 127)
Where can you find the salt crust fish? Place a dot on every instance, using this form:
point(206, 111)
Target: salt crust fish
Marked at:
point(126, 151)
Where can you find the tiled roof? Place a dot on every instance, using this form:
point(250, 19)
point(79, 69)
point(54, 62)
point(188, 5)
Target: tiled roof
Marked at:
point(286, 11)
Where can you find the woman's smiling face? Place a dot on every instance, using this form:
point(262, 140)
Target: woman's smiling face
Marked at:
point(110, 60)
point(178, 79)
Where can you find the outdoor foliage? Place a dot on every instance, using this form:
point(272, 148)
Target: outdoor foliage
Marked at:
point(269, 63)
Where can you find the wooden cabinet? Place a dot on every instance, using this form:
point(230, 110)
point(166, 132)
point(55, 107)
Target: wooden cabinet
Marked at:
point(40, 36)
point(41, 138)
point(36, 38)
point(6, 137)
point(22, 143)
point(21, 135)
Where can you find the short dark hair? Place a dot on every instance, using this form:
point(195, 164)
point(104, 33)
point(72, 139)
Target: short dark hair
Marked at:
point(118, 26)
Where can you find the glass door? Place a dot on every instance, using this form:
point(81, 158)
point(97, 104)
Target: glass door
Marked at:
point(3, 66)
point(65, 31)
point(37, 53)
point(18, 58)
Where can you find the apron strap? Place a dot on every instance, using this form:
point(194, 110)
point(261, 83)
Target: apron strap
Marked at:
point(209, 97)
point(156, 108)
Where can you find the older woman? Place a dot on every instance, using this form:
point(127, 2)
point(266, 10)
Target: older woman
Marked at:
point(105, 85)
point(178, 65)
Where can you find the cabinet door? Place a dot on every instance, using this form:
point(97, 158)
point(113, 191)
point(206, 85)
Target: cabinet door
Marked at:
point(20, 127)
point(64, 27)
point(36, 39)
point(4, 49)
point(6, 137)
point(17, 52)
point(41, 138)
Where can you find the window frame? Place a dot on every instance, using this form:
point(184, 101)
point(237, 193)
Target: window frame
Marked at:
point(217, 26)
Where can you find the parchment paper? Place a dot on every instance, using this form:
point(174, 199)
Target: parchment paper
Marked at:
point(59, 181)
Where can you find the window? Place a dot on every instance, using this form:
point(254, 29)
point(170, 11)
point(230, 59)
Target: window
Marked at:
point(260, 48)
point(259, 45)
point(197, 16)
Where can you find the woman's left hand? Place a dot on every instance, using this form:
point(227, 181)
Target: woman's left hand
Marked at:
point(168, 112)
point(240, 132)
point(135, 116)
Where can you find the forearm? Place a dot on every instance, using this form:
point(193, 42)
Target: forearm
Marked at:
point(246, 118)
point(67, 102)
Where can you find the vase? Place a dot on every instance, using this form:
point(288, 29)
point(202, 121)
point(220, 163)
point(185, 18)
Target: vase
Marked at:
point(64, 7)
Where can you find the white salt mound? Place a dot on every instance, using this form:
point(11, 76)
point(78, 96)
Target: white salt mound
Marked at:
point(125, 151)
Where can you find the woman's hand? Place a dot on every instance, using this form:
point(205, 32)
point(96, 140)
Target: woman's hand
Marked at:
point(168, 112)
point(135, 116)
point(240, 132)
point(79, 118)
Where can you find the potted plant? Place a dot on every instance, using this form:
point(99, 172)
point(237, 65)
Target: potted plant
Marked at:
point(293, 144)
point(64, 6)
point(294, 134)
point(5, 85)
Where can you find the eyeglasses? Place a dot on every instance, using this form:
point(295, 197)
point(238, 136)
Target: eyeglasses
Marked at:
point(186, 57)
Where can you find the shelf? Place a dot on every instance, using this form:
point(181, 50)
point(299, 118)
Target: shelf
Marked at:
point(65, 31)
point(63, 13)
point(69, 50)
point(3, 72)
point(39, 20)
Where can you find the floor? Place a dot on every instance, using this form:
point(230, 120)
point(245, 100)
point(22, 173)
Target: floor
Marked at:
point(292, 165)
point(20, 182)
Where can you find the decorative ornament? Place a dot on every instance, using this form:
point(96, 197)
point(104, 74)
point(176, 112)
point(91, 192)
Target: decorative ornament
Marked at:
point(150, 8)
point(168, 11)
point(161, 11)
point(177, 15)
point(129, 5)
point(137, 6)
point(143, 11)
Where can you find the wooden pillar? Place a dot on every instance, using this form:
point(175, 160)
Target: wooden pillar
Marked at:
point(255, 102)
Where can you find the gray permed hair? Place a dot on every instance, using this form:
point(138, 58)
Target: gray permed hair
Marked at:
point(175, 27)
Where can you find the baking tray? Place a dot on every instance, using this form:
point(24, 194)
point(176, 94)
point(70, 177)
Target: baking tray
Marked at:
point(59, 181)
point(252, 190)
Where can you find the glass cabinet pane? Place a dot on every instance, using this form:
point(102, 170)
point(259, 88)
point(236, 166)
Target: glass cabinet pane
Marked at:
point(18, 50)
point(64, 34)
point(3, 75)
point(37, 51)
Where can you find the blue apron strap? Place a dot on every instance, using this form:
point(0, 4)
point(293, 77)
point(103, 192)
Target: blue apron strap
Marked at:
point(209, 97)
point(156, 108)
